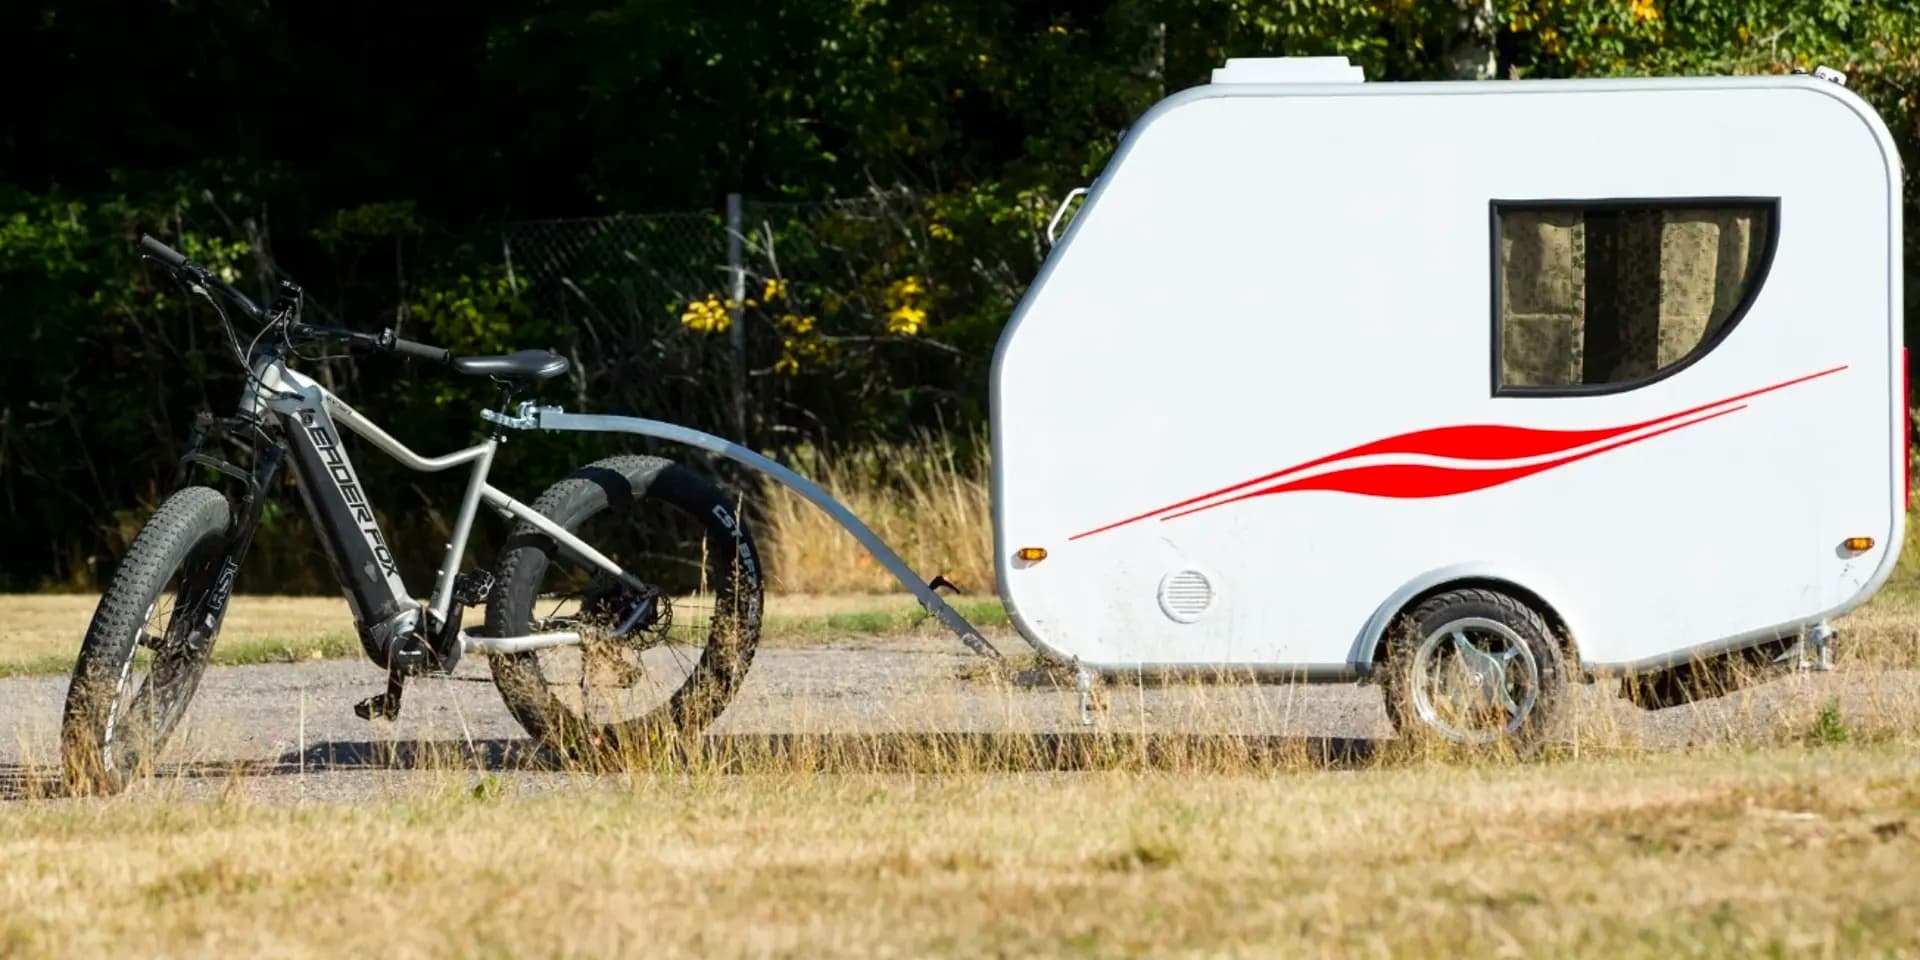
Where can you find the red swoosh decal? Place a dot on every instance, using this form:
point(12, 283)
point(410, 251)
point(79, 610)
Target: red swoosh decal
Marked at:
point(1413, 481)
point(1467, 442)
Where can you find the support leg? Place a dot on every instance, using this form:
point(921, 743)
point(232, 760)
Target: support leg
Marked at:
point(1821, 638)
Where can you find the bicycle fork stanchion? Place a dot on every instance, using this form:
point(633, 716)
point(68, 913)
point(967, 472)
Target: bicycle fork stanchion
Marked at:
point(530, 417)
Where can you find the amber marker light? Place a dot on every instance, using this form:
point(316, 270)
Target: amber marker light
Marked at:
point(1037, 554)
point(1857, 544)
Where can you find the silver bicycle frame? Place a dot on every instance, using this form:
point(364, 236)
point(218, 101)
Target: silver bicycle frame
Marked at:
point(310, 411)
point(374, 588)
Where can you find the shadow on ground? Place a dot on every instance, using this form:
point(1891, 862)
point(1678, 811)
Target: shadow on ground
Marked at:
point(869, 753)
point(826, 753)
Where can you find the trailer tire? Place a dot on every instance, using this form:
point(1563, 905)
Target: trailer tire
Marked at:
point(1418, 665)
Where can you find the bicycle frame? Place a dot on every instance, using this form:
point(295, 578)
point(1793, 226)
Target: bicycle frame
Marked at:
point(311, 417)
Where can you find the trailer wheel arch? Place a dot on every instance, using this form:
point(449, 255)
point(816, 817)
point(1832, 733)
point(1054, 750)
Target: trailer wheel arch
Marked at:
point(1373, 649)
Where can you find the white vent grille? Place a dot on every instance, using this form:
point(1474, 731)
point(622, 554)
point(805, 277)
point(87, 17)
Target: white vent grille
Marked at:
point(1185, 595)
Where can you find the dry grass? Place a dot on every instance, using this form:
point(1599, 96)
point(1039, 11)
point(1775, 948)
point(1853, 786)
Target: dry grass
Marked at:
point(1771, 852)
point(925, 499)
point(40, 633)
point(1793, 835)
point(1795, 838)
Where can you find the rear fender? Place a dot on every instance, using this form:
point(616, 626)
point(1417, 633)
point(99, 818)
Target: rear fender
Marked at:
point(1536, 591)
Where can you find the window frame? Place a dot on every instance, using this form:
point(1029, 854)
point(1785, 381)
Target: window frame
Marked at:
point(1770, 242)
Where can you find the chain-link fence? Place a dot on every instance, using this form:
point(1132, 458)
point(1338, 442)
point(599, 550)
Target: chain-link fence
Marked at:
point(773, 321)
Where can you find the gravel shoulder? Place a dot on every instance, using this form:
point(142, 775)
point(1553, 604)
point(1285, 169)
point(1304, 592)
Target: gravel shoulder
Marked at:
point(287, 731)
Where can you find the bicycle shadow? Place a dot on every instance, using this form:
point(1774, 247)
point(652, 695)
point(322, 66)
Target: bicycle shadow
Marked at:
point(880, 753)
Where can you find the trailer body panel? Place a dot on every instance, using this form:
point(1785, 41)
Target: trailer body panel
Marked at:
point(1259, 391)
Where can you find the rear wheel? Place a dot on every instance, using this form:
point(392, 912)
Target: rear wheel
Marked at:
point(148, 645)
point(1474, 667)
point(661, 656)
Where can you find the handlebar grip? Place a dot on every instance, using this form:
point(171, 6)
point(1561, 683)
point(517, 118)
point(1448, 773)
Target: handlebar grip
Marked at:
point(199, 274)
point(414, 348)
point(161, 252)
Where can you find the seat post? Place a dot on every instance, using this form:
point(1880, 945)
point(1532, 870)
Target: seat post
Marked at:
point(505, 405)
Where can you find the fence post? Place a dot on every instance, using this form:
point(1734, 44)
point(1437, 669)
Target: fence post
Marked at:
point(737, 327)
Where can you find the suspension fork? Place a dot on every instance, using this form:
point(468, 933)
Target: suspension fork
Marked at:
point(208, 608)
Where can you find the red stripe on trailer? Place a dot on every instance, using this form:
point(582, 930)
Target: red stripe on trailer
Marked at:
point(1477, 442)
point(1411, 481)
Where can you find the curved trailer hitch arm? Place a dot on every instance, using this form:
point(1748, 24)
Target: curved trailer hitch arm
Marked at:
point(530, 417)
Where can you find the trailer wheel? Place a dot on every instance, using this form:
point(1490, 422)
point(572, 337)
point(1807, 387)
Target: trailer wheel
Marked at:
point(1475, 667)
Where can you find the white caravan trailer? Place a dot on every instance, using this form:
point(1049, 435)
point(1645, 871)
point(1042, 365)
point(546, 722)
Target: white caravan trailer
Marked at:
point(1474, 388)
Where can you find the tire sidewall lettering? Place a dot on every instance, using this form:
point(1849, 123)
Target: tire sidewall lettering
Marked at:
point(749, 565)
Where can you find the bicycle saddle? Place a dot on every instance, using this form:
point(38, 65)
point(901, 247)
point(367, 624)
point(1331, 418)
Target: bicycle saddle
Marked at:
point(521, 365)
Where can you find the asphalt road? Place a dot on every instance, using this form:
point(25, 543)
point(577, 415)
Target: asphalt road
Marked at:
point(287, 732)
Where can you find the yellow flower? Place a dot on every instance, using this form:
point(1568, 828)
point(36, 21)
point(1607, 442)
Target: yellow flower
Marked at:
point(940, 231)
point(905, 320)
point(797, 323)
point(707, 316)
point(798, 350)
point(1644, 11)
point(903, 291)
point(776, 288)
point(905, 315)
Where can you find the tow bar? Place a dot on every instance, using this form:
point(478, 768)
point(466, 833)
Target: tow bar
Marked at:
point(531, 417)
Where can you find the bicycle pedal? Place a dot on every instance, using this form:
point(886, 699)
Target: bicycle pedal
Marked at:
point(471, 588)
point(379, 705)
point(386, 705)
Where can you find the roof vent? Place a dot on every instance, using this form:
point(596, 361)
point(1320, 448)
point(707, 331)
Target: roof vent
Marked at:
point(1288, 70)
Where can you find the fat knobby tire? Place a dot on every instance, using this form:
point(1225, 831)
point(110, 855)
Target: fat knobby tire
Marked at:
point(187, 532)
point(1405, 637)
point(733, 568)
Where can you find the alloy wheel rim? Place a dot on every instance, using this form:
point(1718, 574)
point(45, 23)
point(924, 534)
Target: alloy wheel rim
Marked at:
point(1475, 680)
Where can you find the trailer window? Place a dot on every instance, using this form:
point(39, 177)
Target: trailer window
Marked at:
point(1602, 297)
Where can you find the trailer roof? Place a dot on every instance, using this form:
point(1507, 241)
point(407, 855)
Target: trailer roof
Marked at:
point(1288, 70)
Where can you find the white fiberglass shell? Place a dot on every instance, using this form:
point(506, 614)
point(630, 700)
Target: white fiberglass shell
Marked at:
point(1267, 276)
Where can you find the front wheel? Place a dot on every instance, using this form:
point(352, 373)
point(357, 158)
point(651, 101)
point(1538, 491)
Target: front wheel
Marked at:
point(663, 649)
point(1475, 667)
point(149, 642)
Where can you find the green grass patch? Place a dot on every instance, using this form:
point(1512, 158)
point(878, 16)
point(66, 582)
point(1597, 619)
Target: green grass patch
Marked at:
point(777, 629)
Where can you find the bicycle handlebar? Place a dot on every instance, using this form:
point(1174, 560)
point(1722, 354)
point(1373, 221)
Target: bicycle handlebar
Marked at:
point(414, 348)
point(178, 262)
point(384, 341)
point(161, 252)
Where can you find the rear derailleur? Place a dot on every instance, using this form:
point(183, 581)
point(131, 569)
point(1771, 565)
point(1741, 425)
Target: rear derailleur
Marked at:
point(615, 615)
